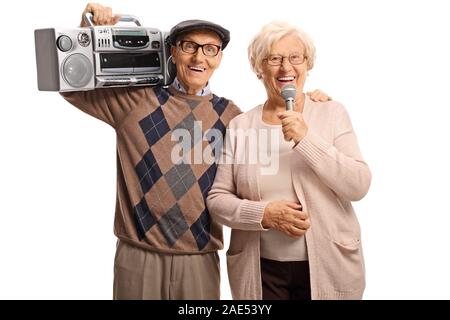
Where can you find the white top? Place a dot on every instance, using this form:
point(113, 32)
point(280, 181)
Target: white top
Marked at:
point(275, 183)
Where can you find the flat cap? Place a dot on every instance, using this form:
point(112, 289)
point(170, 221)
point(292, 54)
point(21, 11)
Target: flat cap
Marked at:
point(191, 25)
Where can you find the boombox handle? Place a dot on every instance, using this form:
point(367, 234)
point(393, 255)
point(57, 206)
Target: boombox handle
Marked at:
point(124, 18)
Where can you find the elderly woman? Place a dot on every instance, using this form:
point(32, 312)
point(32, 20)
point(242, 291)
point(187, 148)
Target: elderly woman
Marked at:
point(295, 234)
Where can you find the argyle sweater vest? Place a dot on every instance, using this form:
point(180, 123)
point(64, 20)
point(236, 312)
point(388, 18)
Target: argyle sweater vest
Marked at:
point(165, 163)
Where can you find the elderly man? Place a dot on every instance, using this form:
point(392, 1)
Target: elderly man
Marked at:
point(167, 246)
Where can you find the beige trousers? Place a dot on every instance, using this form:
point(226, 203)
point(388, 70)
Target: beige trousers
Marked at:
point(142, 274)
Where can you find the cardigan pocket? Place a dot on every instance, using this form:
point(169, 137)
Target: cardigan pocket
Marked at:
point(349, 246)
point(240, 275)
point(243, 265)
point(347, 265)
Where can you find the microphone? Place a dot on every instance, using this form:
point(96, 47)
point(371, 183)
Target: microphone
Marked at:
point(289, 92)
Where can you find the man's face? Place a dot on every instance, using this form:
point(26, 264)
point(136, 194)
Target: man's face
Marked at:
point(195, 69)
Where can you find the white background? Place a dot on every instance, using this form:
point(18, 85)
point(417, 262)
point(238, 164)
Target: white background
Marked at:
point(386, 61)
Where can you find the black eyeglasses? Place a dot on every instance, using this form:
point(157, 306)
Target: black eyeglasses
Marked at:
point(277, 59)
point(210, 50)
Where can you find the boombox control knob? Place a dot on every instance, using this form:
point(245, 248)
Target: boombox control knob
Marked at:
point(84, 39)
point(64, 43)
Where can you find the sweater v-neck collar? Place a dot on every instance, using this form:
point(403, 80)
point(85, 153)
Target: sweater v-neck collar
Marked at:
point(186, 96)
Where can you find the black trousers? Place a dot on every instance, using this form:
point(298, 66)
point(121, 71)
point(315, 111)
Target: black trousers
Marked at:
point(285, 280)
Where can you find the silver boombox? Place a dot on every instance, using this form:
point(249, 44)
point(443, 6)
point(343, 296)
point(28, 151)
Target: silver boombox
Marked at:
point(102, 56)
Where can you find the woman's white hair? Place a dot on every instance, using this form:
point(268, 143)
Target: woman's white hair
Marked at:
point(261, 44)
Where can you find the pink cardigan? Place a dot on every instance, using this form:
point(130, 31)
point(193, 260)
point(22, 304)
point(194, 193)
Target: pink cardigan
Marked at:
point(328, 173)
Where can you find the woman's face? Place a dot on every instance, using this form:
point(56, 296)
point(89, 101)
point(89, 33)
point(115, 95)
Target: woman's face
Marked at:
point(288, 49)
